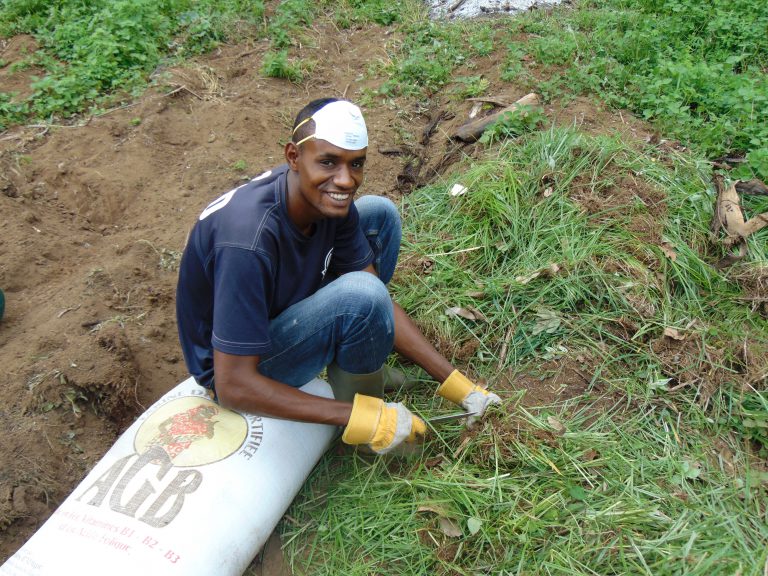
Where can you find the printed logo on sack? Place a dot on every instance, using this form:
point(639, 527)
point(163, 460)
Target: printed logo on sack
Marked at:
point(192, 432)
point(185, 432)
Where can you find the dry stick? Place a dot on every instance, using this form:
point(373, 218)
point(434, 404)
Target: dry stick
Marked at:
point(471, 131)
point(504, 346)
point(490, 100)
point(456, 5)
point(461, 447)
point(507, 340)
point(179, 89)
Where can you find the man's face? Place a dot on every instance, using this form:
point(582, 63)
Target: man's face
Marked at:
point(328, 178)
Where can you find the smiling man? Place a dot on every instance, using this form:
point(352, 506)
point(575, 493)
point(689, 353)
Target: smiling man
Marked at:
point(286, 275)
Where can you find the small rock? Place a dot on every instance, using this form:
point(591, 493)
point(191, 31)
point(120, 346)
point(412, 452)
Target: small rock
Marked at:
point(20, 500)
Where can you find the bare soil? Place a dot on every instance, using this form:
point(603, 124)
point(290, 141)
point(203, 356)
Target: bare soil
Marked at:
point(94, 216)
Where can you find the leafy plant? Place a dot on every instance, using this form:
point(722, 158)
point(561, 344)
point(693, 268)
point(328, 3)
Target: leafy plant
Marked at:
point(512, 124)
point(471, 86)
point(277, 65)
point(750, 419)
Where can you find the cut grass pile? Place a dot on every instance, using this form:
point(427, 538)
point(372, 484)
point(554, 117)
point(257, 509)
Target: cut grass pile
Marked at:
point(642, 472)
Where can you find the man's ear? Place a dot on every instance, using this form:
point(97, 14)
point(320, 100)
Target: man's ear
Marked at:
point(291, 152)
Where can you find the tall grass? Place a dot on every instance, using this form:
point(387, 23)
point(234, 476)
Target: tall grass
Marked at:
point(627, 478)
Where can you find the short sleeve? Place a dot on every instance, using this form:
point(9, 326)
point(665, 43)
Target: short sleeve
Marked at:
point(241, 297)
point(351, 251)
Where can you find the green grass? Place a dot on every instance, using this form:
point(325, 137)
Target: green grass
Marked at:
point(628, 477)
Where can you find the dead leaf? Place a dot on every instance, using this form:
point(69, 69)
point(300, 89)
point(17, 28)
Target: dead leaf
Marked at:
point(673, 333)
point(476, 294)
point(548, 192)
point(468, 313)
point(434, 508)
point(426, 265)
point(589, 455)
point(449, 527)
point(528, 278)
point(548, 322)
point(434, 462)
point(479, 316)
point(548, 271)
point(668, 250)
point(556, 425)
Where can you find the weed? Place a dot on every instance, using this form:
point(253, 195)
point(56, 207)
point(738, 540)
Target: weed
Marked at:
point(470, 86)
point(277, 65)
point(239, 166)
point(515, 123)
point(168, 259)
point(750, 419)
point(586, 485)
point(90, 51)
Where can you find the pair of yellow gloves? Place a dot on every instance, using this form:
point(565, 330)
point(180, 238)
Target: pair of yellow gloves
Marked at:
point(385, 425)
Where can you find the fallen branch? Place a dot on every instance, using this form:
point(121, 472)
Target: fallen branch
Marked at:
point(491, 100)
point(729, 216)
point(179, 89)
point(471, 131)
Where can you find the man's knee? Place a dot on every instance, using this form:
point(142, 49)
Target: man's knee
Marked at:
point(363, 293)
point(365, 321)
point(378, 209)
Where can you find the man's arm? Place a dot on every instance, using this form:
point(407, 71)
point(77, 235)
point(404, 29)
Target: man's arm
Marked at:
point(240, 386)
point(411, 343)
point(382, 426)
point(455, 387)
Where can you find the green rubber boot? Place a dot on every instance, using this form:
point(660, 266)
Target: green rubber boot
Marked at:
point(397, 381)
point(345, 384)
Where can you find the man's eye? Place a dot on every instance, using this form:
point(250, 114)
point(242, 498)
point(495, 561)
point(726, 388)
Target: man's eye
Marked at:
point(358, 165)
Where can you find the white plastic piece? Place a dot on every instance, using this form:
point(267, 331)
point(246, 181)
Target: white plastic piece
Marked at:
point(189, 489)
point(458, 190)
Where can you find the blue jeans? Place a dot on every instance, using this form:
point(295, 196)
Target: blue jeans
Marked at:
point(350, 320)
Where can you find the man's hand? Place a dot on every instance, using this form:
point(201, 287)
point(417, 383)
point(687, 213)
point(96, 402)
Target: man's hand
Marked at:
point(382, 425)
point(462, 391)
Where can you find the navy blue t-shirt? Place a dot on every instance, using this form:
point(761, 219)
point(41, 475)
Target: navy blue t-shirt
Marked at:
point(245, 262)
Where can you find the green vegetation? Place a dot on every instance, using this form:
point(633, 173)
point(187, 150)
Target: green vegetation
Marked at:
point(630, 475)
point(96, 53)
point(277, 65)
point(92, 51)
point(580, 254)
point(695, 69)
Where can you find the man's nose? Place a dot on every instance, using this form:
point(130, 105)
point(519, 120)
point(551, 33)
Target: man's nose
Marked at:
point(343, 177)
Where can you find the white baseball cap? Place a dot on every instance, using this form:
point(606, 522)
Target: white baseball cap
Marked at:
point(341, 123)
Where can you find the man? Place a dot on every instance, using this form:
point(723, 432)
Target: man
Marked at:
point(285, 276)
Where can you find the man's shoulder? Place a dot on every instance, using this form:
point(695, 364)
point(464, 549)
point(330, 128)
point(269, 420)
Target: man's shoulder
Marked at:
point(240, 216)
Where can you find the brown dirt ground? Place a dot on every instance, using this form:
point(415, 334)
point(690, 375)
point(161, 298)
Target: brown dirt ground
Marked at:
point(94, 215)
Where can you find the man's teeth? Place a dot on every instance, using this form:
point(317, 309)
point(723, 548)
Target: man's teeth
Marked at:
point(339, 197)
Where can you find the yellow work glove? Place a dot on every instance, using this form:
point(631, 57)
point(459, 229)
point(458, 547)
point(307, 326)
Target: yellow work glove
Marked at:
point(381, 425)
point(462, 391)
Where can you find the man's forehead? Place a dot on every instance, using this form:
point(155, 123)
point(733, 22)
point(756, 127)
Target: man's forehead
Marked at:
point(324, 148)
